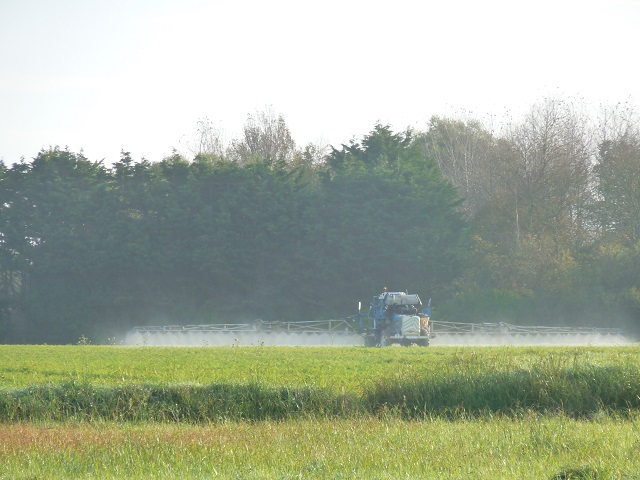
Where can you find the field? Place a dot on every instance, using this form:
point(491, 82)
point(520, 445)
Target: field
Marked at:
point(322, 412)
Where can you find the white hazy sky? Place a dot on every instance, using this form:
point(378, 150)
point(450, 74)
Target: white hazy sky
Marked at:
point(137, 75)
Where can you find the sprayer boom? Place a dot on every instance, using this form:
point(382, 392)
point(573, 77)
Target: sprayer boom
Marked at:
point(458, 328)
point(312, 326)
point(393, 318)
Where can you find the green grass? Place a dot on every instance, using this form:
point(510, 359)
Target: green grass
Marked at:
point(270, 412)
point(535, 447)
point(578, 391)
point(341, 369)
point(257, 383)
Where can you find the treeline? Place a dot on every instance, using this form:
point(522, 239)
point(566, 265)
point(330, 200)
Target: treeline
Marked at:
point(94, 250)
point(554, 205)
point(536, 225)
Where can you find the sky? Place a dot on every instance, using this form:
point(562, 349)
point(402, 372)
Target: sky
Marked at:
point(137, 75)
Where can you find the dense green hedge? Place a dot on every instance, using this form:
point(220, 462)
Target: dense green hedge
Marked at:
point(87, 250)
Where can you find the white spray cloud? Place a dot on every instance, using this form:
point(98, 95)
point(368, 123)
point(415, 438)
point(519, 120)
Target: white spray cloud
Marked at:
point(240, 338)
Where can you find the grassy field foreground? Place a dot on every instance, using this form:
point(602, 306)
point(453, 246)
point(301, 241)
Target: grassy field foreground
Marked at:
point(535, 447)
point(203, 385)
point(267, 412)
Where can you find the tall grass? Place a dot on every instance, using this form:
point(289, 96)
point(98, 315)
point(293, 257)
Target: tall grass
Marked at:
point(527, 413)
point(534, 447)
point(578, 391)
point(167, 403)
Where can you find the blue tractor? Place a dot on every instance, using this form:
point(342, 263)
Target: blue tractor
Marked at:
point(398, 318)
